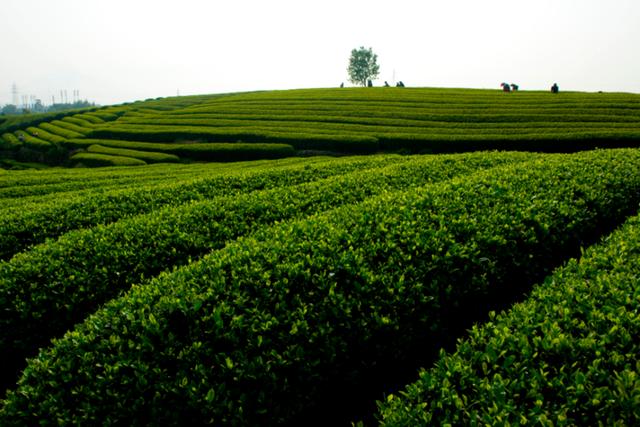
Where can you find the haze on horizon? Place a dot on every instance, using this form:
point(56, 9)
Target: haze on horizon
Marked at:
point(120, 51)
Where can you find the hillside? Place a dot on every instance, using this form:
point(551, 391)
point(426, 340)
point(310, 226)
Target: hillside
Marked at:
point(275, 124)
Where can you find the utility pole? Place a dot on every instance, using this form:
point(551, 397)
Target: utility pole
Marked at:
point(14, 93)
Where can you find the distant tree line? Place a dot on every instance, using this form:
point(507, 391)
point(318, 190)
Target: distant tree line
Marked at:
point(38, 107)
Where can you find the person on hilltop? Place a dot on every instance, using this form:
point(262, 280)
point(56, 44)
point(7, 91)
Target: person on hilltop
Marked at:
point(505, 87)
point(514, 87)
point(555, 88)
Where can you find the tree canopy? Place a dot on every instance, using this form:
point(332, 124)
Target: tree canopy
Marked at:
point(363, 66)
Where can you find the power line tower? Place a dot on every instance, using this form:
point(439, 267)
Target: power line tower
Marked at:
point(14, 93)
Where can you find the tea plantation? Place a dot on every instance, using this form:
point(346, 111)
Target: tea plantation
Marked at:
point(276, 124)
point(496, 287)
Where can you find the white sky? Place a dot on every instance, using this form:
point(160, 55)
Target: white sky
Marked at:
point(123, 50)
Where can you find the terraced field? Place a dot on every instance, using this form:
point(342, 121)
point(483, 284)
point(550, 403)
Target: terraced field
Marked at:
point(278, 124)
point(302, 290)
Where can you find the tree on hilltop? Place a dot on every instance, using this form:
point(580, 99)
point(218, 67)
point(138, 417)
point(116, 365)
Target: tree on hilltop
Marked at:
point(363, 66)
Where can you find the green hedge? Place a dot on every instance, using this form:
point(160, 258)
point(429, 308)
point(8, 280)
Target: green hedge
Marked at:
point(27, 196)
point(61, 131)
point(43, 134)
point(33, 225)
point(19, 122)
point(146, 156)
point(165, 174)
point(374, 126)
point(16, 165)
point(403, 120)
point(109, 114)
point(179, 234)
point(104, 115)
point(561, 142)
point(92, 119)
point(83, 124)
point(340, 142)
point(99, 160)
point(10, 141)
point(71, 127)
point(222, 152)
point(32, 142)
point(304, 314)
point(569, 355)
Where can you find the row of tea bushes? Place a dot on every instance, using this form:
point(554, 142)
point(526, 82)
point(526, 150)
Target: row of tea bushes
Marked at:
point(48, 289)
point(145, 156)
point(59, 130)
point(374, 126)
point(9, 141)
point(18, 199)
point(269, 327)
point(33, 142)
point(55, 285)
point(568, 355)
point(336, 141)
point(43, 134)
point(83, 124)
point(70, 126)
point(31, 226)
point(21, 122)
point(104, 160)
point(215, 151)
point(67, 179)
